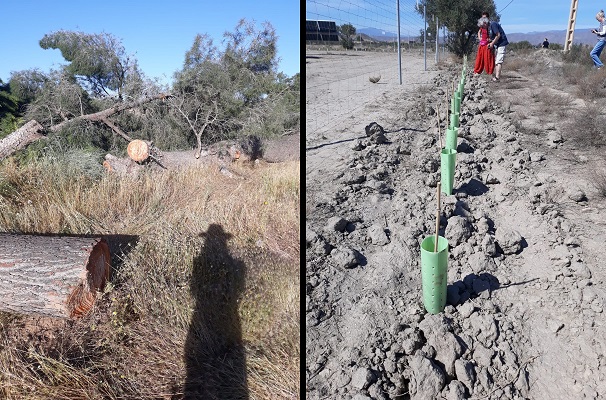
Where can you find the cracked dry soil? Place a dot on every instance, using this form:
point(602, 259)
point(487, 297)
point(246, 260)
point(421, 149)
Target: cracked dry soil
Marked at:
point(526, 279)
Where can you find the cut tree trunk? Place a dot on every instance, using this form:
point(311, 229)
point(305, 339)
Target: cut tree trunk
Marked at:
point(121, 166)
point(138, 150)
point(55, 276)
point(20, 138)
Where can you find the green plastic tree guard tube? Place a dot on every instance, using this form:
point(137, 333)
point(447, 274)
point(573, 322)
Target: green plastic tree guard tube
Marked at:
point(454, 120)
point(448, 160)
point(434, 268)
point(453, 105)
point(452, 134)
point(462, 86)
point(457, 100)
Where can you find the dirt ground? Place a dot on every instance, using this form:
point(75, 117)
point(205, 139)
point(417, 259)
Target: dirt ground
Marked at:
point(526, 288)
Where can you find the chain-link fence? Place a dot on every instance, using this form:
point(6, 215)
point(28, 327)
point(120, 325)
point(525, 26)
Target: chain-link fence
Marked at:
point(352, 52)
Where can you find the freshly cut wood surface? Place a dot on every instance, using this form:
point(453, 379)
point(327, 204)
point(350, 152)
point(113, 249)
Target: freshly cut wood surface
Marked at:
point(55, 276)
point(138, 150)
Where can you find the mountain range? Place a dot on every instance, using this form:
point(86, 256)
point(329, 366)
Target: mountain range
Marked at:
point(581, 36)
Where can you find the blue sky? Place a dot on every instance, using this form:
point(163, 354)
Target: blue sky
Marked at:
point(517, 16)
point(157, 33)
point(524, 16)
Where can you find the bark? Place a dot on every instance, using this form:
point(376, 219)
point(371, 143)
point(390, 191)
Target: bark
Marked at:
point(20, 138)
point(121, 166)
point(55, 276)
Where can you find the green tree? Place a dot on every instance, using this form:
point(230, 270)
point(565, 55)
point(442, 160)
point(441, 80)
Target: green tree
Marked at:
point(9, 110)
point(460, 19)
point(223, 93)
point(98, 62)
point(348, 32)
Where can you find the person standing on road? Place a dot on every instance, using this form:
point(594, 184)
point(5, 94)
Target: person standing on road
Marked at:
point(498, 41)
point(599, 46)
point(485, 56)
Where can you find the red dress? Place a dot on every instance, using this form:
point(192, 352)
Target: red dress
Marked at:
point(485, 57)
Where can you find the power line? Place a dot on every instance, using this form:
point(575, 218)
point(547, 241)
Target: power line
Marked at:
point(505, 7)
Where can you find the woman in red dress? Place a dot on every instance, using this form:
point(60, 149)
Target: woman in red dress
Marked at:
point(485, 57)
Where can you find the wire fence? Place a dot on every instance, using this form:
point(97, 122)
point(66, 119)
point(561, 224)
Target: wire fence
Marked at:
point(338, 81)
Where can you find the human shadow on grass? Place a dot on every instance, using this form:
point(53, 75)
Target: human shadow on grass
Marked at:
point(214, 354)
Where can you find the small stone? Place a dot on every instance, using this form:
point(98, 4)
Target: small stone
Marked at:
point(358, 145)
point(455, 391)
point(536, 157)
point(510, 241)
point(466, 310)
point(335, 224)
point(345, 257)
point(377, 235)
point(577, 195)
point(362, 378)
point(491, 180)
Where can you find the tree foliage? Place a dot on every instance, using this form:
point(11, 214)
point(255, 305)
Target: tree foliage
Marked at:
point(98, 61)
point(234, 90)
point(348, 32)
point(9, 110)
point(460, 19)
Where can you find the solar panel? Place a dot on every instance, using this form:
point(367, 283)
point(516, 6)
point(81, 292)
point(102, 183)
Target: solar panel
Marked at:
point(325, 31)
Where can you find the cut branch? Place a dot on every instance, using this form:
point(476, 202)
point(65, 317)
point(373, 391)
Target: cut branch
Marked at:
point(51, 275)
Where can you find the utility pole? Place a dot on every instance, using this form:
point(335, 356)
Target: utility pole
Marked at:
point(571, 22)
point(399, 52)
point(437, 39)
point(425, 36)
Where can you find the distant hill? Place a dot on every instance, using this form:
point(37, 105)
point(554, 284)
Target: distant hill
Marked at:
point(581, 36)
point(378, 34)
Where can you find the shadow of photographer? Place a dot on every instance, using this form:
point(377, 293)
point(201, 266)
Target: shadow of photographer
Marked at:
point(214, 353)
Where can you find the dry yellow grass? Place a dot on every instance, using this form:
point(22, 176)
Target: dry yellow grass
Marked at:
point(205, 304)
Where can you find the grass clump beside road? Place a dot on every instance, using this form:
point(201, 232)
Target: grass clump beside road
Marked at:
point(203, 304)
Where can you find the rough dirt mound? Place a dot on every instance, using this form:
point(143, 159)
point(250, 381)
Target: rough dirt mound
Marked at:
point(524, 316)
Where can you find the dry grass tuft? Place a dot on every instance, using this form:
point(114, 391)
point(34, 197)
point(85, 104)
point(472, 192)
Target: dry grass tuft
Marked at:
point(586, 127)
point(598, 180)
point(209, 289)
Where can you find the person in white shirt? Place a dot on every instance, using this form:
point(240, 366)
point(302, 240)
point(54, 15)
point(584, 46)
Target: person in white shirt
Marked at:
point(599, 46)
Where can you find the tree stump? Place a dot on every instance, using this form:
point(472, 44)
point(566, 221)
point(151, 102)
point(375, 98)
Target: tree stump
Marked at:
point(55, 276)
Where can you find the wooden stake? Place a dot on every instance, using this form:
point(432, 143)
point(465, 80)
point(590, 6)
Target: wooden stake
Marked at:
point(439, 133)
point(447, 107)
point(435, 248)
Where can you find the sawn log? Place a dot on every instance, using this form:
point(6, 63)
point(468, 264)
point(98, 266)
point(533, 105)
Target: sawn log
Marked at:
point(56, 276)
